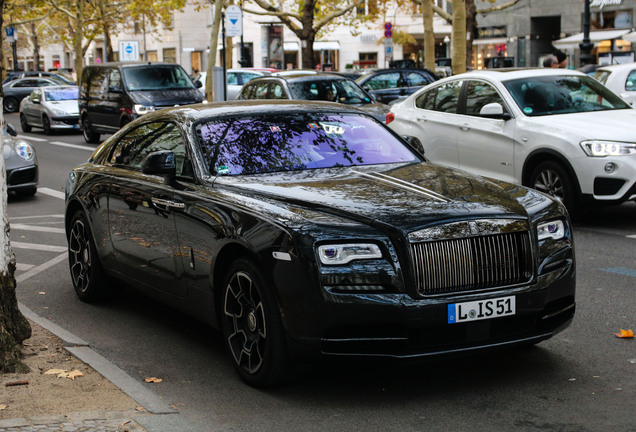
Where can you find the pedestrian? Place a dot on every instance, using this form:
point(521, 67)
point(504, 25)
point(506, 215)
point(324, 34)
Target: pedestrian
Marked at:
point(550, 61)
point(562, 59)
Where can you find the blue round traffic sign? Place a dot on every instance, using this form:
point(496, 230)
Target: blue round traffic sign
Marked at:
point(129, 49)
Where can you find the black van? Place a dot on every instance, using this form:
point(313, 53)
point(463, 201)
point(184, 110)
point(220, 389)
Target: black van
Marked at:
point(113, 94)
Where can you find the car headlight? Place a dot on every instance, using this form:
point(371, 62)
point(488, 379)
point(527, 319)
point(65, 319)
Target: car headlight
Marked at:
point(143, 109)
point(553, 229)
point(24, 150)
point(596, 148)
point(338, 254)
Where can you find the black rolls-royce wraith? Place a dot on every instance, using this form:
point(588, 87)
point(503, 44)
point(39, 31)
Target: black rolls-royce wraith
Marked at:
point(310, 230)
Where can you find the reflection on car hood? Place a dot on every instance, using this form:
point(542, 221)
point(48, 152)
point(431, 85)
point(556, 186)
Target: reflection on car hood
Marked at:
point(376, 109)
point(70, 106)
point(165, 98)
point(608, 125)
point(405, 196)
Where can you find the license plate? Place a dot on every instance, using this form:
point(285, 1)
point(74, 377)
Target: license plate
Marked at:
point(481, 309)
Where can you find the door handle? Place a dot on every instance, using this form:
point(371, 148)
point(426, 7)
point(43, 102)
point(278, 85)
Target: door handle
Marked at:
point(167, 203)
point(465, 127)
point(420, 118)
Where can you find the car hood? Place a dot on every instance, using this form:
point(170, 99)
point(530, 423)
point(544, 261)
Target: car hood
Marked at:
point(603, 125)
point(376, 109)
point(68, 106)
point(404, 196)
point(167, 98)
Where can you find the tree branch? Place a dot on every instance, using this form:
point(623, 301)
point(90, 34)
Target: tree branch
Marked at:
point(498, 8)
point(320, 24)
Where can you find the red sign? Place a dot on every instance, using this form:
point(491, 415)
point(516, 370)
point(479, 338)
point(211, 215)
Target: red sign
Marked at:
point(388, 33)
point(388, 26)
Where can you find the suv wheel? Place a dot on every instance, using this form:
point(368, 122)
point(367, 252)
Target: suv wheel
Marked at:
point(551, 178)
point(90, 136)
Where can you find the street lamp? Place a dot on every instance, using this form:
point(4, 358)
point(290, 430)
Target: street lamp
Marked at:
point(586, 46)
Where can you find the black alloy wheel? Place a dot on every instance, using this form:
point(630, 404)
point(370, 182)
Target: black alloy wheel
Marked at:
point(46, 125)
point(551, 178)
point(10, 104)
point(24, 124)
point(90, 136)
point(252, 327)
point(86, 271)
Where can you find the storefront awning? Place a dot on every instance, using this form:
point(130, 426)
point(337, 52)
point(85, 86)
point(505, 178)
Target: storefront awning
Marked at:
point(290, 46)
point(324, 46)
point(490, 41)
point(572, 42)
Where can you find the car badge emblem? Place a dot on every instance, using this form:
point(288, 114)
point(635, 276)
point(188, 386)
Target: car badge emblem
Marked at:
point(474, 229)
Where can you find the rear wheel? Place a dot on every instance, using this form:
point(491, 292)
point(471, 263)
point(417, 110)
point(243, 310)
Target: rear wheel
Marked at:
point(87, 274)
point(90, 136)
point(46, 125)
point(10, 104)
point(24, 124)
point(252, 326)
point(551, 178)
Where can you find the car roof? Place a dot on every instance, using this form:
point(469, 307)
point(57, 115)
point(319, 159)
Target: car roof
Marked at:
point(130, 64)
point(506, 74)
point(617, 66)
point(301, 77)
point(199, 112)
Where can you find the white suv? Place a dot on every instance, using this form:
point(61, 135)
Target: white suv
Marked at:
point(556, 130)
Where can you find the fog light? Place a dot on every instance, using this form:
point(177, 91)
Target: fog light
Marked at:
point(610, 168)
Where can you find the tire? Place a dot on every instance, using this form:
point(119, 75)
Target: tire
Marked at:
point(87, 275)
point(252, 327)
point(24, 124)
point(10, 104)
point(90, 136)
point(551, 178)
point(46, 125)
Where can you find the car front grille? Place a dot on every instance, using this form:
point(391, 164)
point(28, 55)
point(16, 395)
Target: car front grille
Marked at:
point(22, 175)
point(472, 263)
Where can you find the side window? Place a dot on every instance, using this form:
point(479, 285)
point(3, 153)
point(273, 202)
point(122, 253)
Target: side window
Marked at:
point(115, 79)
point(383, 81)
point(27, 83)
point(247, 76)
point(247, 92)
point(132, 148)
point(261, 90)
point(630, 84)
point(276, 91)
point(479, 94)
point(415, 79)
point(447, 97)
point(232, 78)
point(427, 100)
point(98, 84)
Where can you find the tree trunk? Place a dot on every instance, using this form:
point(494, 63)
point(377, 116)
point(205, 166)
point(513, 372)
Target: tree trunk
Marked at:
point(308, 35)
point(471, 29)
point(36, 47)
point(78, 36)
point(429, 35)
point(214, 42)
point(307, 52)
point(459, 36)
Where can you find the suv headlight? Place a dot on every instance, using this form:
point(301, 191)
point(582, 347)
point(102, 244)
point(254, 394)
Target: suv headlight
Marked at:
point(338, 254)
point(553, 229)
point(597, 148)
point(143, 109)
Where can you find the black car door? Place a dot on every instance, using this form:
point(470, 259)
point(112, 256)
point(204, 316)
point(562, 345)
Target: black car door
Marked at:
point(141, 209)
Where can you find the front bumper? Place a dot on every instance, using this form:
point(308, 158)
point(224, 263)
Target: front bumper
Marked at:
point(608, 179)
point(65, 122)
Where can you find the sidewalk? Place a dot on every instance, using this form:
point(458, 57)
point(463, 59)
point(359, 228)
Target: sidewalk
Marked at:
point(156, 415)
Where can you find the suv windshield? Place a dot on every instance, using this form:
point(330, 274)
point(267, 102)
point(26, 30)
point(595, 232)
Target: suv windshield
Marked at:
point(559, 94)
point(344, 91)
point(286, 142)
point(156, 77)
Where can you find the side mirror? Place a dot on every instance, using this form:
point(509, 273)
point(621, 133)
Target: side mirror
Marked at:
point(11, 130)
point(415, 143)
point(36, 101)
point(198, 84)
point(161, 163)
point(494, 111)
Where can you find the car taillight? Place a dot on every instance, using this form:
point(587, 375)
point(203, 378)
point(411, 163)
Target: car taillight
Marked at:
point(390, 117)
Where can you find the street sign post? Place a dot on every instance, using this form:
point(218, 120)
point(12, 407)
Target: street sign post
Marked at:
point(233, 21)
point(128, 50)
point(11, 33)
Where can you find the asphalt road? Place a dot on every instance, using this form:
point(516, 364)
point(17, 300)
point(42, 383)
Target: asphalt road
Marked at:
point(584, 379)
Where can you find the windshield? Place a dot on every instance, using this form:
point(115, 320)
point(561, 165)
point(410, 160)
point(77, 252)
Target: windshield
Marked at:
point(344, 91)
point(156, 77)
point(560, 94)
point(285, 142)
point(60, 94)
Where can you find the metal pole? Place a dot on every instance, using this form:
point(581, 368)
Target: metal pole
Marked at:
point(223, 57)
point(15, 54)
point(586, 46)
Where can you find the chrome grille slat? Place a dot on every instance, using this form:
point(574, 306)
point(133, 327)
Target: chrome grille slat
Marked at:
point(472, 264)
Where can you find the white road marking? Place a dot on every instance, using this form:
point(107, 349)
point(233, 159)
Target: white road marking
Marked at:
point(61, 216)
point(39, 269)
point(632, 236)
point(23, 267)
point(52, 192)
point(35, 246)
point(32, 138)
point(25, 227)
point(77, 146)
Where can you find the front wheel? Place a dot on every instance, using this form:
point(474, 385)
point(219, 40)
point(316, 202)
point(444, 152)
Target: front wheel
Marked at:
point(252, 326)
point(46, 125)
point(551, 178)
point(90, 136)
point(24, 124)
point(86, 271)
point(10, 104)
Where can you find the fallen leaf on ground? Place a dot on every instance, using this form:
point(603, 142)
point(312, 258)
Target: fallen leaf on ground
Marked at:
point(42, 293)
point(625, 334)
point(2, 407)
point(62, 373)
point(153, 380)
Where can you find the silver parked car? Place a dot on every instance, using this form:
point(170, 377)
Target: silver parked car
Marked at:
point(16, 90)
point(21, 163)
point(50, 108)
